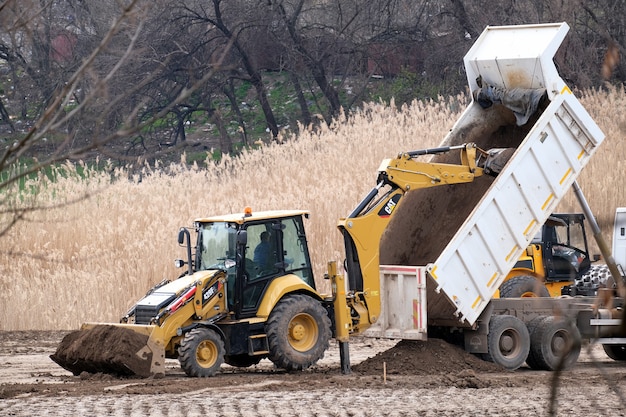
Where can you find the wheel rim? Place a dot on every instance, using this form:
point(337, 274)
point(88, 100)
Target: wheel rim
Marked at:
point(206, 354)
point(529, 294)
point(510, 343)
point(558, 343)
point(303, 332)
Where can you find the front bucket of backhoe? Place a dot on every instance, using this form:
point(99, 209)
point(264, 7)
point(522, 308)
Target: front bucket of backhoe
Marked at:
point(123, 350)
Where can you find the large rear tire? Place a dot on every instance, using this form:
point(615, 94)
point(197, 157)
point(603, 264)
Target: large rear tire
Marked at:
point(508, 342)
point(523, 286)
point(201, 352)
point(531, 361)
point(615, 352)
point(298, 332)
point(550, 340)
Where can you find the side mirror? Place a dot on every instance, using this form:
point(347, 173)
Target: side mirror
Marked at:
point(242, 238)
point(278, 226)
point(181, 235)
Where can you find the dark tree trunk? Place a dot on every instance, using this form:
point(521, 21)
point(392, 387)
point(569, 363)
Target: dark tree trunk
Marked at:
point(304, 107)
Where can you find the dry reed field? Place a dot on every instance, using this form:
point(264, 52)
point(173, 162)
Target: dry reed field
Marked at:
point(89, 259)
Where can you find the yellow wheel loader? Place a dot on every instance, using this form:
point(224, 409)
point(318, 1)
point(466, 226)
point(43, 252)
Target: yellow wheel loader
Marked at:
point(249, 293)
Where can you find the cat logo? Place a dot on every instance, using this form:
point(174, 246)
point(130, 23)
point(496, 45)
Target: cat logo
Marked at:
point(390, 206)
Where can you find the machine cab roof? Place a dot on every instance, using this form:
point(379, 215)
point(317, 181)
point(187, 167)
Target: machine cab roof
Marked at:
point(249, 216)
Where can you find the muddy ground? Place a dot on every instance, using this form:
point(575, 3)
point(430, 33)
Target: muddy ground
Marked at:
point(422, 378)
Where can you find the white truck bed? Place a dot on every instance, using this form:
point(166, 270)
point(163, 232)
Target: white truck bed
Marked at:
point(476, 261)
point(473, 265)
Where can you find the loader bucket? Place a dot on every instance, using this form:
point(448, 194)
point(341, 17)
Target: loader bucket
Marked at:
point(111, 349)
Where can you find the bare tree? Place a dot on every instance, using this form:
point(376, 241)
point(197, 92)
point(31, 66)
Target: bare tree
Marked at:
point(230, 23)
point(89, 95)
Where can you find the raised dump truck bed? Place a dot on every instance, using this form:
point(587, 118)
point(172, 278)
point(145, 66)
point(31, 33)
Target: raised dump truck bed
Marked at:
point(485, 248)
point(468, 257)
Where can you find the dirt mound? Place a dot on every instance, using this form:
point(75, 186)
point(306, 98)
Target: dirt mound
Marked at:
point(104, 349)
point(431, 357)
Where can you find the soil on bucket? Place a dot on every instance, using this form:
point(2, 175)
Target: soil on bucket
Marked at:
point(105, 349)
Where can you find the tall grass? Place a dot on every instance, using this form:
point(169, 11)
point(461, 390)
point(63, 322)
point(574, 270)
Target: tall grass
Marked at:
point(91, 259)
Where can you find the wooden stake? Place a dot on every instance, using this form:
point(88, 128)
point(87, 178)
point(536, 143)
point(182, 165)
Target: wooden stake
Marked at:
point(384, 372)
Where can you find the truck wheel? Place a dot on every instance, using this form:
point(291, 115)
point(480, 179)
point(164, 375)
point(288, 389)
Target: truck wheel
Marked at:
point(508, 342)
point(243, 361)
point(201, 352)
point(298, 332)
point(552, 338)
point(531, 361)
point(523, 286)
point(615, 352)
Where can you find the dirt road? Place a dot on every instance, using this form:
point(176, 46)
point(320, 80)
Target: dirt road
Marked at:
point(406, 379)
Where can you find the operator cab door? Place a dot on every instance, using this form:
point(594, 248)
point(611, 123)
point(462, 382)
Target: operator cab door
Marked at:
point(565, 252)
point(274, 248)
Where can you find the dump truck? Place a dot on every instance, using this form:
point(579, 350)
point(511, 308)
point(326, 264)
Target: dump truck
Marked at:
point(451, 227)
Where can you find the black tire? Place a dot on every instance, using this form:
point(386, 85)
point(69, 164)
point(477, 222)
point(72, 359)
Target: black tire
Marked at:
point(508, 342)
point(298, 332)
point(523, 286)
point(201, 352)
point(615, 352)
point(243, 361)
point(531, 361)
point(552, 338)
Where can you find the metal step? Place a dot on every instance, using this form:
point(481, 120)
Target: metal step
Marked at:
point(258, 344)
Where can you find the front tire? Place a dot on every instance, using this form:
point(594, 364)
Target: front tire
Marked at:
point(201, 352)
point(523, 286)
point(298, 332)
point(508, 342)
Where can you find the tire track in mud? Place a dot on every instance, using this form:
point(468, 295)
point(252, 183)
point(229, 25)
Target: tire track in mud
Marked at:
point(45, 390)
point(319, 403)
point(340, 402)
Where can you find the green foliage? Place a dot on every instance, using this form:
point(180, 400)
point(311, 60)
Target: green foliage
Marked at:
point(404, 88)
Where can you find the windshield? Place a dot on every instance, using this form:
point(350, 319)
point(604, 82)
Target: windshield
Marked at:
point(571, 236)
point(216, 245)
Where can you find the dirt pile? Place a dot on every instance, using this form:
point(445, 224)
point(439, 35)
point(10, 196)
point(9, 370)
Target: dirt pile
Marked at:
point(104, 349)
point(431, 357)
